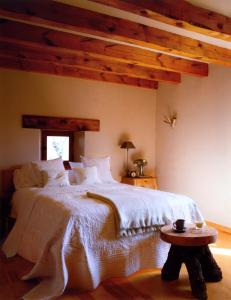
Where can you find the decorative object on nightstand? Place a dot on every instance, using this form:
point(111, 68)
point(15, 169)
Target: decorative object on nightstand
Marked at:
point(140, 163)
point(146, 181)
point(127, 145)
point(132, 174)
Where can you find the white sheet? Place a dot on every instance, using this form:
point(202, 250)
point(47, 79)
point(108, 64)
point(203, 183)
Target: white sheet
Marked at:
point(72, 239)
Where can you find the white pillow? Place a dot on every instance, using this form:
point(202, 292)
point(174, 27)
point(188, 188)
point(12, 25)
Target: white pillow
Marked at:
point(74, 164)
point(88, 175)
point(24, 177)
point(103, 167)
point(71, 173)
point(45, 165)
point(55, 178)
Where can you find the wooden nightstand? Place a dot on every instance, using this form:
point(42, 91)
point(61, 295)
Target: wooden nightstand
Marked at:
point(147, 181)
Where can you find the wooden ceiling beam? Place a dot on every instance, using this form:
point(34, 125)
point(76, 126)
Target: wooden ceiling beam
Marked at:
point(25, 34)
point(180, 13)
point(64, 16)
point(9, 62)
point(83, 61)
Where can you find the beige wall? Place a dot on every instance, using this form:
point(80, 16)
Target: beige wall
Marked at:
point(194, 158)
point(124, 112)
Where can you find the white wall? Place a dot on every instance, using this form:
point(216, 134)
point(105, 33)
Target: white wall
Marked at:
point(194, 158)
point(124, 112)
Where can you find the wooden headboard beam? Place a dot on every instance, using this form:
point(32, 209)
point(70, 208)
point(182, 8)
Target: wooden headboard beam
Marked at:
point(60, 123)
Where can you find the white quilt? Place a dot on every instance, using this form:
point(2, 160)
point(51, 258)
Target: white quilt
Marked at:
point(73, 240)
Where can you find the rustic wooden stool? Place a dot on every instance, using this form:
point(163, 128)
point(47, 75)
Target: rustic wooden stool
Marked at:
point(191, 248)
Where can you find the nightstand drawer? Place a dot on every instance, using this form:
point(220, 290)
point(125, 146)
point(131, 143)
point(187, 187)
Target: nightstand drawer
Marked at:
point(148, 182)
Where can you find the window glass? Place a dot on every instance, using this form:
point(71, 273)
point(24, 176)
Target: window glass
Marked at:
point(58, 146)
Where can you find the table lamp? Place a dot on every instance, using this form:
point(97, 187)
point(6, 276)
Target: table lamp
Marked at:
point(127, 145)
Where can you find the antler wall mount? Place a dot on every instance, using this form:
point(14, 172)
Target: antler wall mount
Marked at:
point(170, 119)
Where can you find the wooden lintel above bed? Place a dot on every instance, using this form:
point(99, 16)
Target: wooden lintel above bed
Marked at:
point(60, 123)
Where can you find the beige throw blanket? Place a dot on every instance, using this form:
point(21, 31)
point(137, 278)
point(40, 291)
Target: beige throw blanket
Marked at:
point(139, 210)
point(134, 212)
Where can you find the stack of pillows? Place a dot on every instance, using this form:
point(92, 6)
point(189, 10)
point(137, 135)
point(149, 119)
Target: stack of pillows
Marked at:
point(47, 173)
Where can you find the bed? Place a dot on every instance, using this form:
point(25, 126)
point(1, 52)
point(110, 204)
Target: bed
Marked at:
point(73, 239)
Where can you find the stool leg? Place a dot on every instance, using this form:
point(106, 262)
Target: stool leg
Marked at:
point(171, 268)
point(210, 269)
point(196, 278)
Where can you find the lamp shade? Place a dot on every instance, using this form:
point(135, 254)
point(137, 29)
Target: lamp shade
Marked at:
point(127, 145)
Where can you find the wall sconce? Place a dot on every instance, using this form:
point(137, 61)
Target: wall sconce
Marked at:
point(171, 119)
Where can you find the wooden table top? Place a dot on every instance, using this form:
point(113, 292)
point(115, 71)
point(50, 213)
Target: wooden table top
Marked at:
point(191, 236)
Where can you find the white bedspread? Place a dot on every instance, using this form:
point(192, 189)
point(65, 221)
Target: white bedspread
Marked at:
point(72, 239)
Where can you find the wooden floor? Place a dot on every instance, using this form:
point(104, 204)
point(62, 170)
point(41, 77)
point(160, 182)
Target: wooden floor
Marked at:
point(143, 285)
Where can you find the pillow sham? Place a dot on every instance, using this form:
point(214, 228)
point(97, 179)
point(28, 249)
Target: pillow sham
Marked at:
point(74, 164)
point(55, 178)
point(71, 176)
point(45, 165)
point(87, 175)
point(103, 167)
point(71, 173)
point(24, 177)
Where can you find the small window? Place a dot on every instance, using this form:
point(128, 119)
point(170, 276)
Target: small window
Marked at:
point(57, 144)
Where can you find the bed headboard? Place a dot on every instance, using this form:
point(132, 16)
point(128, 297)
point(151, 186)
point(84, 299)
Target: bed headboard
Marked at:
point(7, 187)
point(7, 192)
point(7, 180)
